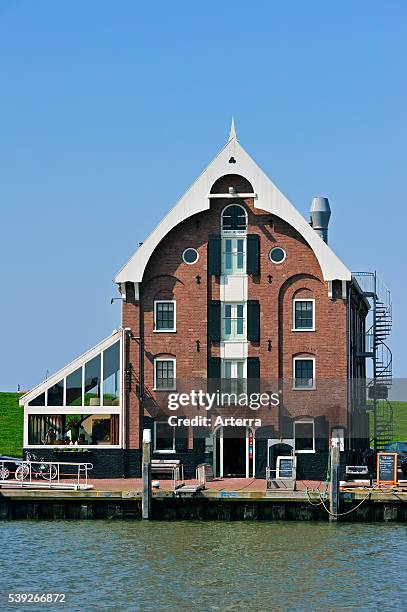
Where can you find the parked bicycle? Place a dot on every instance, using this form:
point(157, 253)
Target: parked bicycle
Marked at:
point(39, 469)
point(8, 466)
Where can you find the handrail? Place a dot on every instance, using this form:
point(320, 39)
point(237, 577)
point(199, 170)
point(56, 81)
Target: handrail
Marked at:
point(43, 473)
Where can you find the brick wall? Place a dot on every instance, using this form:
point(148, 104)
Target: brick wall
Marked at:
point(167, 276)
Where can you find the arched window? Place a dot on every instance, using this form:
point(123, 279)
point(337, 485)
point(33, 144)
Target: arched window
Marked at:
point(234, 219)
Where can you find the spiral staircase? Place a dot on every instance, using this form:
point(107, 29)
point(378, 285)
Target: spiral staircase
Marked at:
point(376, 348)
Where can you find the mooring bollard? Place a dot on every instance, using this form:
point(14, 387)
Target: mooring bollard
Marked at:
point(146, 460)
point(334, 485)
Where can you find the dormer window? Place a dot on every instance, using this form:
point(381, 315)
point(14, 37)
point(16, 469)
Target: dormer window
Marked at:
point(234, 219)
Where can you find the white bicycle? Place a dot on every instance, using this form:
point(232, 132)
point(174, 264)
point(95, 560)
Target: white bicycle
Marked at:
point(39, 469)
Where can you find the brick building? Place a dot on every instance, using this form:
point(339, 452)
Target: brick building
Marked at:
point(233, 293)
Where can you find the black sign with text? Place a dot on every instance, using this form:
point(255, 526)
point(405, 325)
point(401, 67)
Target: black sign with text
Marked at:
point(285, 467)
point(386, 467)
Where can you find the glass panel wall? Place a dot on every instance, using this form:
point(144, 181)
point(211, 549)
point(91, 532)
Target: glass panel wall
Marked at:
point(74, 388)
point(56, 394)
point(71, 409)
point(92, 382)
point(73, 429)
point(87, 392)
point(111, 375)
point(38, 401)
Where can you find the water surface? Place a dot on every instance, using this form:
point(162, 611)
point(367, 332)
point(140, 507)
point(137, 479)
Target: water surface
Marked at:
point(134, 565)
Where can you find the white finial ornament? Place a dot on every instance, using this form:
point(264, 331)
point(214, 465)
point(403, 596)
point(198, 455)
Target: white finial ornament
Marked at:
point(232, 133)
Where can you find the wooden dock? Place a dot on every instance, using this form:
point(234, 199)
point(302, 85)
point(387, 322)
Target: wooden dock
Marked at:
point(222, 499)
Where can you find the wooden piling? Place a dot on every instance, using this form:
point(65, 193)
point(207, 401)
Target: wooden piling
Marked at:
point(146, 468)
point(334, 484)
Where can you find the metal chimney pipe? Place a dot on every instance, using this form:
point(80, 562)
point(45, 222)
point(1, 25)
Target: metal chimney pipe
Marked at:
point(320, 215)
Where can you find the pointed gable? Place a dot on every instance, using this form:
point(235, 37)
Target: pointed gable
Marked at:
point(233, 159)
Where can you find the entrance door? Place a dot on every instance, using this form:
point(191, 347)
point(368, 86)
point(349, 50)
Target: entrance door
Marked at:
point(278, 450)
point(233, 452)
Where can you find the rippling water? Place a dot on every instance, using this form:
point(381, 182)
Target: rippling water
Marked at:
point(133, 565)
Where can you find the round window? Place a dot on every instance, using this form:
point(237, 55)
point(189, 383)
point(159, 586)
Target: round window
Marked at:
point(190, 256)
point(277, 255)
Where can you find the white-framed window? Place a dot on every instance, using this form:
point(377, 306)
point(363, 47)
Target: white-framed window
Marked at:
point(233, 255)
point(165, 316)
point(277, 255)
point(303, 314)
point(164, 437)
point(164, 373)
point(81, 404)
point(304, 436)
point(234, 375)
point(233, 321)
point(304, 373)
point(73, 429)
point(190, 256)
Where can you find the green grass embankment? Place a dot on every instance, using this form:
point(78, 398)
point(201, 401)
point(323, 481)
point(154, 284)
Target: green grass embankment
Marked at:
point(11, 425)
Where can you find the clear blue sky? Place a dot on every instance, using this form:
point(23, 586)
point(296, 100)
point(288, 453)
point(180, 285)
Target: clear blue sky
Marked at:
point(109, 110)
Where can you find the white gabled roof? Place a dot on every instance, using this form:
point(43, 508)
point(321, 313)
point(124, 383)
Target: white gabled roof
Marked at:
point(269, 198)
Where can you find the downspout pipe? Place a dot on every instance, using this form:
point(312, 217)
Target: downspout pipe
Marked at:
point(349, 361)
point(141, 371)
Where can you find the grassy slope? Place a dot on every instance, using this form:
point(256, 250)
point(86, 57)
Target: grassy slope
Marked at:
point(11, 425)
point(399, 421)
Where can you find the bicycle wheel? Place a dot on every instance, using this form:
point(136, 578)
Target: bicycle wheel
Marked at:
point(49, 472)
point(22, 472)
point(4, 472)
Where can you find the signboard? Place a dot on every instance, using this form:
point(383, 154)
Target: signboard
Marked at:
point(285, 467)
point(386, 468)
point(357, 470)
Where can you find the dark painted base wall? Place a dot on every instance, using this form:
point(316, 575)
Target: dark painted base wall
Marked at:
point(117, 463)
point(107, 463)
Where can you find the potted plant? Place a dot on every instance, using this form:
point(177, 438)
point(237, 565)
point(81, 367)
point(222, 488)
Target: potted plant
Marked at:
point(74, 424)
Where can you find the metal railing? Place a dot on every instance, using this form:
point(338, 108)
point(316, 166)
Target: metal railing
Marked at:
point(178, 476)
point(39, 474)
point(369, 282)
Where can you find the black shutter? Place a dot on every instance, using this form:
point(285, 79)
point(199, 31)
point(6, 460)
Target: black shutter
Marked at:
point(253, 367)
point(214, 375)
point(215, 255)
point(253, 254)
point(321, 433)
point(253, 375)
point(253, 320)
point(214, 367)
point(214, 321)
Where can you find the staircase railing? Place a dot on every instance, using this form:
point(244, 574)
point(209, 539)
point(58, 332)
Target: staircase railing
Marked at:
point(379, 297)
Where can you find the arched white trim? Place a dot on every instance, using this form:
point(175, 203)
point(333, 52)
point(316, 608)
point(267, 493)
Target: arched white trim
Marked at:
point(269, 198)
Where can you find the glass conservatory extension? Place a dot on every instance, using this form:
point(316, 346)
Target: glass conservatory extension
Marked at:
point(81, 405)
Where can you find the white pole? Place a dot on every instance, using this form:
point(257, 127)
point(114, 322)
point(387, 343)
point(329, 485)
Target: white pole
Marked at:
point(146, 470)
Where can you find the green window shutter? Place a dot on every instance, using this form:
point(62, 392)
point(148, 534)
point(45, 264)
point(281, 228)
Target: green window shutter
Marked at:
point(214, 321)
point(253, 320)
point(214, 374)
point(253, 254)
point(253, 367)
point(253, 374)
point(321, 431)
point(215, 255)
point(214, 367)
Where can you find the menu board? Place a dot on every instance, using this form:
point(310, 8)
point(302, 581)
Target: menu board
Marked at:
point(386, 468)
point(284, 467)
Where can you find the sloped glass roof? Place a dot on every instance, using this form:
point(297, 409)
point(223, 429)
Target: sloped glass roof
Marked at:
point(91, 380)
